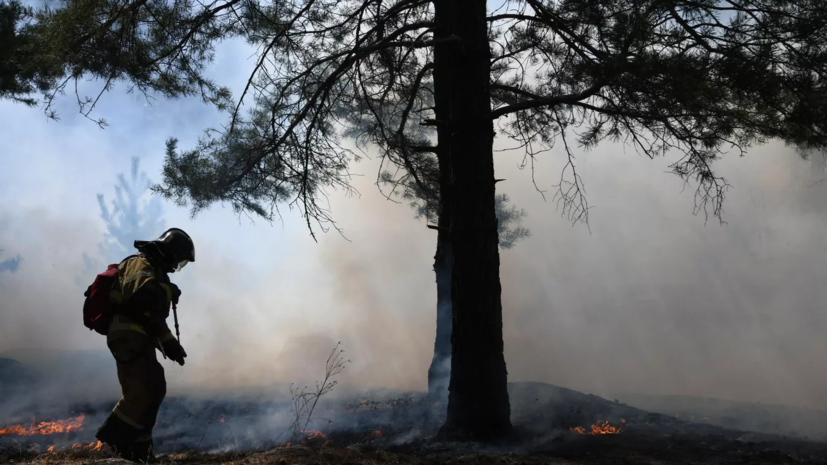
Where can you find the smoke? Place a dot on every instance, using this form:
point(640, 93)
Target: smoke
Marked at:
point(360, 289)
point(656, 300)
point(36, 302)
point(648, 298)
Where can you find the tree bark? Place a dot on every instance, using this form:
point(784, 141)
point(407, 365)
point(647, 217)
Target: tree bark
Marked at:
point(440, 370)
point(478, 402)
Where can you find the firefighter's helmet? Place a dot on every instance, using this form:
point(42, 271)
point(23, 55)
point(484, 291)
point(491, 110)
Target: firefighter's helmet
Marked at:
point(174, 245)
point(179, 245)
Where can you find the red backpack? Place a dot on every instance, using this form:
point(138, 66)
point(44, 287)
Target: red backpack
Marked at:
point(97, 309)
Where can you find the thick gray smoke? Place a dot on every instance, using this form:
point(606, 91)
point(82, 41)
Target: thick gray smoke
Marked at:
point(647, 299)
point(654, 300)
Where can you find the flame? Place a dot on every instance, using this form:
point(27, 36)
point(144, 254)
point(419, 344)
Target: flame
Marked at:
point(45, 427)
point(599, 428)
point(50, 449)
point(376, 433)
point(92, 446)
point(221, 420)
point(17, 430)
point(313, 434)
point(95, 446)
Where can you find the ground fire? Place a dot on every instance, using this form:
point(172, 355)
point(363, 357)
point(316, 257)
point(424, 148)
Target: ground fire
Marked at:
point(94, 446)
point(313, 434)
point(399, 430)
point(68, 425)
point(599, 428)
point(91, 447)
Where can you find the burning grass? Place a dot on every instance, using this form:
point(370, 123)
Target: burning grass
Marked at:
point(553, 425)
point(599, 428)
point(43, 428)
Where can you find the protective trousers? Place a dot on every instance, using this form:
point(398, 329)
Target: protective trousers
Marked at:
point(129, 426)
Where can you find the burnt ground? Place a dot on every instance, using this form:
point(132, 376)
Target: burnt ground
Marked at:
point(401, 430)
point(596, 450)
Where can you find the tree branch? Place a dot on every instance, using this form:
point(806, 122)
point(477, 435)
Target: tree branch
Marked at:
point(547, 101)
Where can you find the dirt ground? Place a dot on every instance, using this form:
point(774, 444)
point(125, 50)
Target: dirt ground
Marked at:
point(542, 435)
point(587, 450)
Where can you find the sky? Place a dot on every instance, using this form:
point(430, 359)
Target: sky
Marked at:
point(648, 298)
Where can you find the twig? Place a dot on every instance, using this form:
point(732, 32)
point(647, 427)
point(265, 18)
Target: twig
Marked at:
point(304, 402)
point(205, 433)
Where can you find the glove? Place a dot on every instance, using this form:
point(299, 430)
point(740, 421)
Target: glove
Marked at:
point(176, 292)
point(175, 352)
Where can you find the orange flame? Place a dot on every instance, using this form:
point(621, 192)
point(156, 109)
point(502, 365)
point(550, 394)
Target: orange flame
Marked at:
point(95, 446)
point(45, 427)
point(313, 434)
point(17, 430)
point(600, 428)
point(92, 446)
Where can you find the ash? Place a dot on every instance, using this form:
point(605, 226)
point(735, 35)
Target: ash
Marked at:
point(551, 424)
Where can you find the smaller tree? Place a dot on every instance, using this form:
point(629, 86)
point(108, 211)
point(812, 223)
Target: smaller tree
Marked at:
point(10, 264)
point(135, 214)
point(509, 220)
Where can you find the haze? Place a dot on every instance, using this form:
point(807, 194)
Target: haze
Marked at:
point(648, 298)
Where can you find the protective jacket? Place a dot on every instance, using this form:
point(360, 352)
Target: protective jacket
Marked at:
point(143, 301)
point(141, 304)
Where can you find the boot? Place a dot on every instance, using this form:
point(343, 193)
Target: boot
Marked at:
point(142, 452)
point(138, 452)
point(116, 433)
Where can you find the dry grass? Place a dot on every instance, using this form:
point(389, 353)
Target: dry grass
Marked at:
point(584, 451)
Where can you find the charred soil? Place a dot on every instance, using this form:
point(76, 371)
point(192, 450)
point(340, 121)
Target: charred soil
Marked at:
point(618, 449)
point(552, 425)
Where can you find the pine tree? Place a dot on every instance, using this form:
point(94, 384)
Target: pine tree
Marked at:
point(425, 80)
point(135, 213)
point(10, 265)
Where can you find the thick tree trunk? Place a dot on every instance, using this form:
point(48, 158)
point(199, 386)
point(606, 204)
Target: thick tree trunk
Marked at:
point(478, 398)
point(440, 371)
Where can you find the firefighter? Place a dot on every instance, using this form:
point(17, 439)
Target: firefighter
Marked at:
point(141, 306)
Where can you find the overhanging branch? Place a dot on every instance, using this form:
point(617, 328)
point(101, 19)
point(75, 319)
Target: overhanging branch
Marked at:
point(545, 101)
